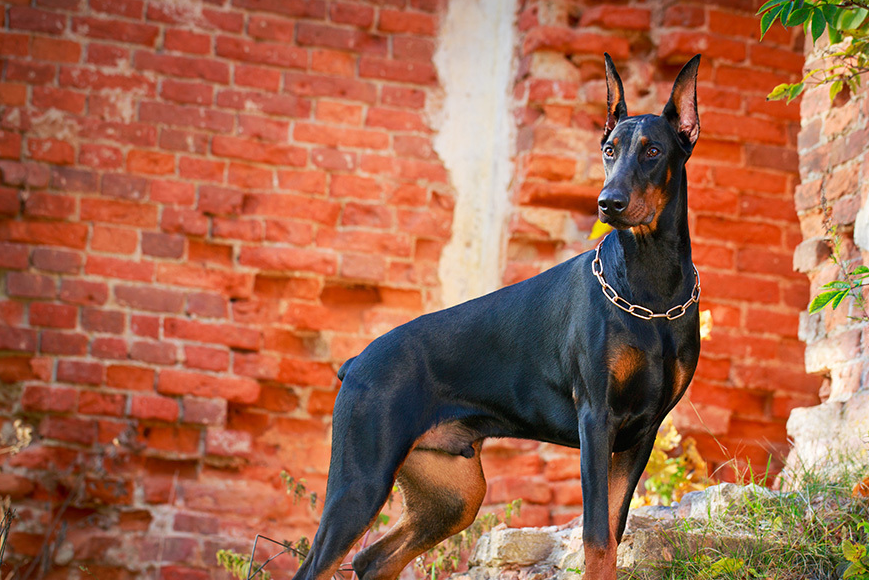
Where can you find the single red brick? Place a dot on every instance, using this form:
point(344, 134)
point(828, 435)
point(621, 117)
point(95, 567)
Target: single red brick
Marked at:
point(206, 358)
point(173, 193)
point(121, 269)
point(334, 62)
point(100, 156)
point(258, 77)
point(13, 94)
point(150, 162)
point(130, 378)
point(51, 151)
point(114, 240)
point(176, 440)
point(162, 245)
point(206, 305)
point(28, 285)
point(357, 15)
point(83, 292)
point(248, 150)
point(172, 382)
point(186, 116)
point(56, 50)
point(56, 260)
point(186, 92)
point(49, 205)
point(70, 429)
point(282, 259)
point(158, 353)
point(226, 443)
point(308, 85)
point(154, 408)
point(204, 411)
point(53, 315)
point(80, 372)
point(109, 347)
point(94, 403)
point(61, 99)
point(63, 343)
point(183, 141)
point(271, 104)
point(187, 41)
point(119, 212)
point(149, 298)
point(54, 399)
point(113, 29)
point(248, 230)
point(303, 181)
point(250, 177)
point(402, 21)
point(407, 97)
point(276, 54)
point(108, 321)
point(618, 17)
point(24, 18)
point(227, 334)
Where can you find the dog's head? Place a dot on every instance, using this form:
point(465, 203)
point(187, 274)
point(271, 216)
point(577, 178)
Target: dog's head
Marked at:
point(643, 154)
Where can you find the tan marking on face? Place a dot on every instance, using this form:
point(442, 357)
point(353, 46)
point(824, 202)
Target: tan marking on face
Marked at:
point(653, 201)
point(615, 141)
point(624, 362)
point(644, 141)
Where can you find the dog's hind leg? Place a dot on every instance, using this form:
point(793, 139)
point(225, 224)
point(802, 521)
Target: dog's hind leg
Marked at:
point(442, 493)
point(367, 451)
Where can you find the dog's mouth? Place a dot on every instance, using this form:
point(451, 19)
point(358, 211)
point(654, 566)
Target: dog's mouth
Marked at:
point(637, 214)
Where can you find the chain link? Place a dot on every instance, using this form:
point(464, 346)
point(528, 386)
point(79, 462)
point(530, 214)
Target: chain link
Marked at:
point(635, 309)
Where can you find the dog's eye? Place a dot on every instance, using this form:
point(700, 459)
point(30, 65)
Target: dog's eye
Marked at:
point(653, 152)
point(608, 151)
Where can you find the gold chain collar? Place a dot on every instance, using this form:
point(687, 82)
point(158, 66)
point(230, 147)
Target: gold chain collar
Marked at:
point(636, 309)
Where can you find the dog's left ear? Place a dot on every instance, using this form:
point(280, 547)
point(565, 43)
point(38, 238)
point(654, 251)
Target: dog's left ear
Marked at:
point(615, 98)
point(681, 109)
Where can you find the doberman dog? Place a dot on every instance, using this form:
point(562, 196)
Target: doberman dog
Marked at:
point(592, 353)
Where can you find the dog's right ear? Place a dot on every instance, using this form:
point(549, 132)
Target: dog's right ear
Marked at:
point(615, 98)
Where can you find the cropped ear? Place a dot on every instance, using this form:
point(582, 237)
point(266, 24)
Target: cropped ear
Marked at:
point(615, 98)
point(681, 109)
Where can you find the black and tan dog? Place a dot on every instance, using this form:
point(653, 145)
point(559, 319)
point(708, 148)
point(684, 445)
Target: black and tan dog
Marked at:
point(592, 354)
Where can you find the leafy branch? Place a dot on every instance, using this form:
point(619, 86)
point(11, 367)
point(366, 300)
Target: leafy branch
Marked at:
point(848, 30)
point(853, 280)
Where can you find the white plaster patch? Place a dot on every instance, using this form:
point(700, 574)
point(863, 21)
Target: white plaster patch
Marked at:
point(476, 138)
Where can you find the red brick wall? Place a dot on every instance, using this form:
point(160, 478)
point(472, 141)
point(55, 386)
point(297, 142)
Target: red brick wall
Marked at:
point(206, 207)
point(744, 227)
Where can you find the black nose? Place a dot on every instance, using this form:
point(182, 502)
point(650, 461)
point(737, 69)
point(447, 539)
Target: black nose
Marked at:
point(612, 202)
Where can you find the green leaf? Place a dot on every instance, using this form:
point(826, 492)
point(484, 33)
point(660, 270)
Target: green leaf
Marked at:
point(838, 299)
point(831, 14)
point(767, 19)
point(799, 16)
point(851, 19)
point(818, 24)
point(769, 5)
point(785, 13)
point(835, 36)
point(860, 270)
point(837, 284)
point(822, 300)
point(779, 92)
point(795, 91)
point(835, 89)
point(852, 551)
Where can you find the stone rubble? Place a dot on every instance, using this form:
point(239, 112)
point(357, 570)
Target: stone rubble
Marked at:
point(556, 552)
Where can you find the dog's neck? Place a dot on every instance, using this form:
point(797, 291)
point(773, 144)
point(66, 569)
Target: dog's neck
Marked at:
point(655, 265)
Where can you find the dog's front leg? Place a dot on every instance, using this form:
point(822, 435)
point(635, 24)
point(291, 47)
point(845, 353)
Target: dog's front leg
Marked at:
point(598, 536)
